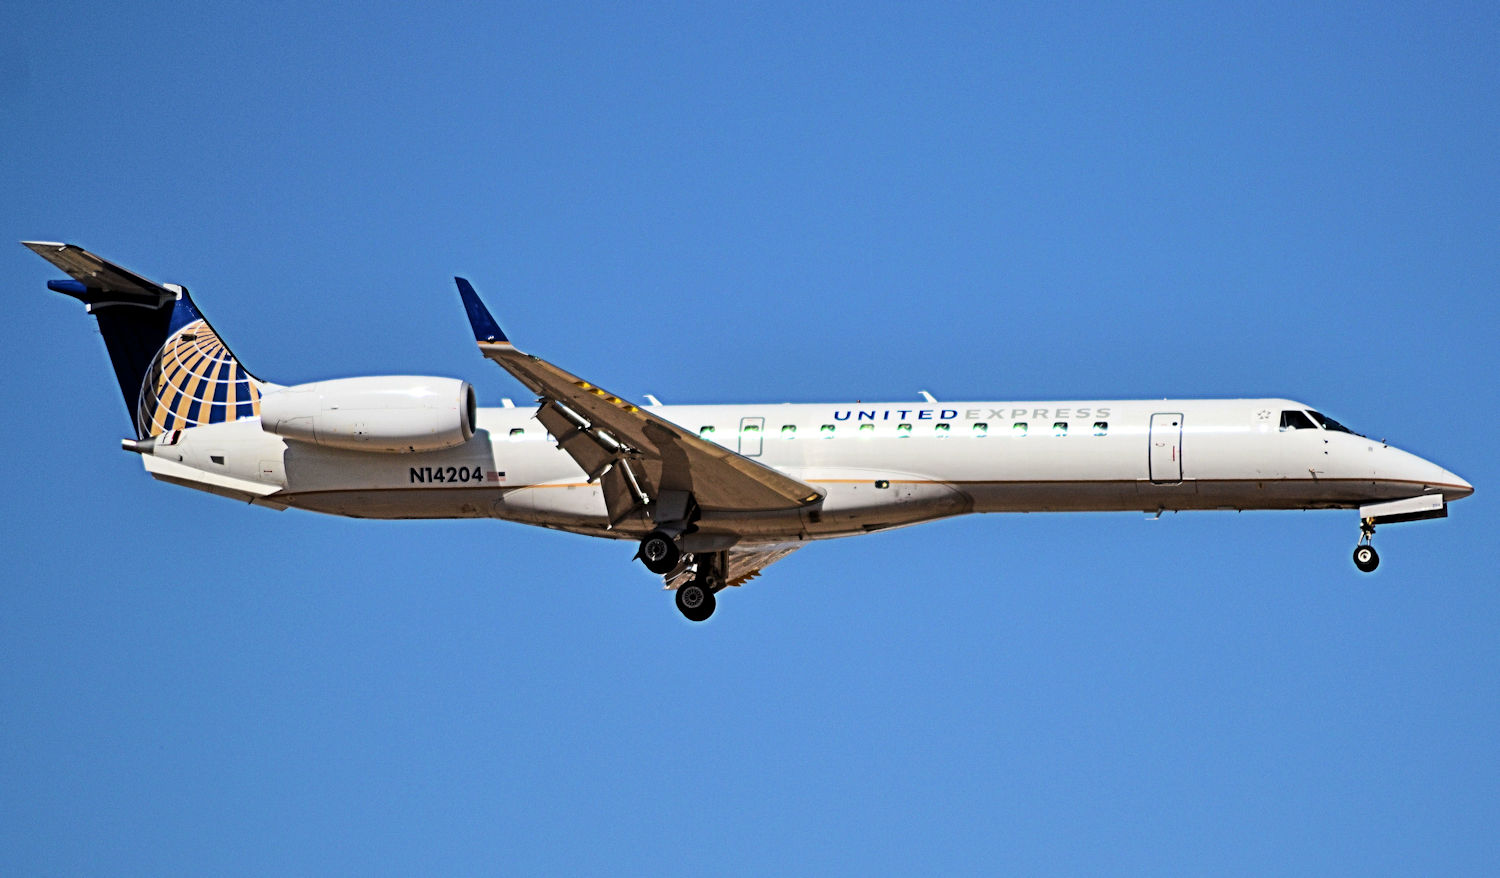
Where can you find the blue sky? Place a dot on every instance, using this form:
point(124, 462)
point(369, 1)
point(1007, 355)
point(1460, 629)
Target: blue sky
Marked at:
point(713, 203)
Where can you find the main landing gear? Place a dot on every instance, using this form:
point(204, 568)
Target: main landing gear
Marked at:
point(704, 573)
point(1365, 556)
point(695, 600)
point(659, 552)
point(695, 597)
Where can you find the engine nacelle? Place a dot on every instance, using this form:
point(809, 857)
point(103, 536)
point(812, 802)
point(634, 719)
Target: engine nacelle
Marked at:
point(396, 413)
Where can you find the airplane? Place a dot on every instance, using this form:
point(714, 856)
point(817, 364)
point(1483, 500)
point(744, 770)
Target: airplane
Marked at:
point(711, 495)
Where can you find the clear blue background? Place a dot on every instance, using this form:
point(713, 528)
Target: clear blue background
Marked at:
point(725, 202)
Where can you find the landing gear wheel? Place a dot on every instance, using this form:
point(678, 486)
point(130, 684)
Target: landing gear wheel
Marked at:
point(695, 601)
point(659, 552)
point(1365, 558)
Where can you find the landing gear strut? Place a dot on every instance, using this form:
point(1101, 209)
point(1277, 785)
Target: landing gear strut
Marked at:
point(695, 597)
point(1365, 556)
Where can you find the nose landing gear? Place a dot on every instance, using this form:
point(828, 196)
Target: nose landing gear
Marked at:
point(1365, 556)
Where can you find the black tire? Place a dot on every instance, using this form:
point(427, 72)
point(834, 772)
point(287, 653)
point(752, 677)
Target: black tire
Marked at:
point(1366, 558)
point(695, 601)
point(659, 552)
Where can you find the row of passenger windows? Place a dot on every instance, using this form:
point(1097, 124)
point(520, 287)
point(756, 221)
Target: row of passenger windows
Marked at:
point(904, 430)
point(1290, 420)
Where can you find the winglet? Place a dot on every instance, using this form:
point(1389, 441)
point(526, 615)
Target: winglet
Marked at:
point(484, 326)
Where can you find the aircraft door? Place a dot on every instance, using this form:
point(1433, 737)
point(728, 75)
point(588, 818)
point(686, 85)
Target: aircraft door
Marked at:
point(1166, 448)
point(752, 436)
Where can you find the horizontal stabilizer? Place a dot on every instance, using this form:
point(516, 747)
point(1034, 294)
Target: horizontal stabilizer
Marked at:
point(99, 281)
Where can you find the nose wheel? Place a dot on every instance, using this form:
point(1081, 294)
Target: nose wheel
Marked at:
point(1365, 556)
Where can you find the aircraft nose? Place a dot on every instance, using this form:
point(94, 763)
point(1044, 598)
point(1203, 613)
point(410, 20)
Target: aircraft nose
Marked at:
point(1415, 469)
point(1457, 488)
point(1453, 486)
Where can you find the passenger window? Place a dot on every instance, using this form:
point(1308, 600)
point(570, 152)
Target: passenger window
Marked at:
point(789, 431)
point(827, 431)
point(942, 430)
point(1018, 428)
point(903, 430)
point(517, 434)
point(866, 428)
point(1296, 420)
point(705, 432)
point(1060, 428)
point(750, 428)
point(1101, 428)
point(981, 429)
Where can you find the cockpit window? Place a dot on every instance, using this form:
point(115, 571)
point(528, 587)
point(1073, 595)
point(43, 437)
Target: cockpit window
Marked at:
point(1293, 419)
point(1329, 423)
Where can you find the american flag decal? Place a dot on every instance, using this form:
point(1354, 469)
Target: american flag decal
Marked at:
point(492, 476)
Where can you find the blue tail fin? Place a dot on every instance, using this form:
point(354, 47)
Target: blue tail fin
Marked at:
point(174, 371)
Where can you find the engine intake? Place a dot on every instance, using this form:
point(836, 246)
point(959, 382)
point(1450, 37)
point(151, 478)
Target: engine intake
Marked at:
point(394, 414)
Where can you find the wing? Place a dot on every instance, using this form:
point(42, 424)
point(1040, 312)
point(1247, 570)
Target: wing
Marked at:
point(640, 458)
point(741, 564)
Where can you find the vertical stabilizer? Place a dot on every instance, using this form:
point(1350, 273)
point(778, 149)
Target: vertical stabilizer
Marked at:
point(173, 369)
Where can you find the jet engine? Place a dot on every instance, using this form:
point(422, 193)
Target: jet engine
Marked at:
point(395, 414)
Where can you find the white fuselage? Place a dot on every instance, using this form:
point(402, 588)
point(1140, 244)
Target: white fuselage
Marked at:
point(881, 465)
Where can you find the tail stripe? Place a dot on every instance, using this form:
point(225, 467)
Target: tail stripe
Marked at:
point(185, 406)
point(223, 386)
point(227, 388)
point(187, 409)
point(174, 373)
